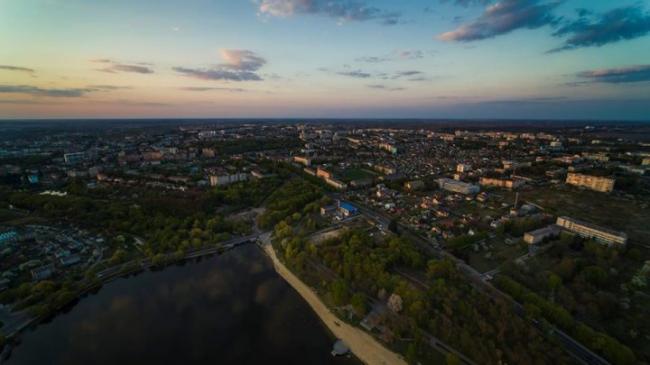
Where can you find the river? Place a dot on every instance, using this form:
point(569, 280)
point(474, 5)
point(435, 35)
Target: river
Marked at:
point(228, 309)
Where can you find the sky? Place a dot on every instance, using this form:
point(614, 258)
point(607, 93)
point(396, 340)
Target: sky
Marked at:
point(464, 59)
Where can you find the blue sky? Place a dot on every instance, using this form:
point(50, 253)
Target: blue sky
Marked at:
point(541, 59)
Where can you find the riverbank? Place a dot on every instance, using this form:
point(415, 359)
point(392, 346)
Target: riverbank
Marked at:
point(362, 344)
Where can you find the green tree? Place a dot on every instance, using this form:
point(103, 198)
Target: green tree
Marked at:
point(358, 302)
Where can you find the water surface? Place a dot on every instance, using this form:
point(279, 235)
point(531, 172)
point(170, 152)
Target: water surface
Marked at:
point(229, 309)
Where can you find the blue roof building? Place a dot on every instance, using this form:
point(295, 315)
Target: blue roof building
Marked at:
point(347, 209)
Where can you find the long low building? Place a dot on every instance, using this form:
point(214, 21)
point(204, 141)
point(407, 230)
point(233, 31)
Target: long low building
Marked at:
point(458, 186)
point(539, 235)
point(592, 231)
point(501, 183)
point(596, 183)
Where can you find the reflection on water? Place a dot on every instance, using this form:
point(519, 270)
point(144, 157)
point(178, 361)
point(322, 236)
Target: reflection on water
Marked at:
point(231, 309)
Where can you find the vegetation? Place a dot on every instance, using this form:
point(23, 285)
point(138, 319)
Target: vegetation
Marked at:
point(588, 290)
point(355, 270)
point(294, 196)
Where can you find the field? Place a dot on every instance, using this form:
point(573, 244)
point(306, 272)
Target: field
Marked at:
point(608, 210)
point(356, 173)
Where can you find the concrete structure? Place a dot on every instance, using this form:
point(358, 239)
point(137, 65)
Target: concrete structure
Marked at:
point(74, 157)
point(539, 235)
point(596, 183)
point(347, 209)
point(501, 183)
point(322, 173)
point(336, 183)
point(227, 179)
point(302, 160)
point(461, 167)
point(389, 147)
point(414, 185)
point(42, 273)
point(386, 170)
point(592, 231)
point(458, 186)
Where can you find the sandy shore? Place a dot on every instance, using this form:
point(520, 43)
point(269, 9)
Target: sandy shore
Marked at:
point(362, 344)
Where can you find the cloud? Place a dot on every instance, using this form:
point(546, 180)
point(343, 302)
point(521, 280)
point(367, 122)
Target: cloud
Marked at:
point(201, 89)
point(394, 56)
point(467, 3)
point(613, 26)
point(628, 74)
point(238, 65)
point(37, 91)
point(343, 10)
point(504, 17)
point(412, 75)
point(356, 74)
point(109, 87)
point(115, 67)
point(17, 69)
point(384, 87)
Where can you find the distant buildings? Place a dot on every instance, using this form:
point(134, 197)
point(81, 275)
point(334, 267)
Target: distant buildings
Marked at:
point(592, 231)
point(386, 170)
point(596, 183)
point(324, 174)
point(501, 183)
point(223, 179)
point(74, 157)
point(458, 186)
point(338, 184)
point(302, 160)
point(389, 147)
point(461, 167)
point(43, 272)
point(414, 185)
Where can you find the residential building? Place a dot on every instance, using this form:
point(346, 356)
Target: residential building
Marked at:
point(322, 173)
point(501, 183)
point(596, 183)
point(592, 231)
point(302, 160)
point(458, 186)
point(227, 178)
point(336, 183)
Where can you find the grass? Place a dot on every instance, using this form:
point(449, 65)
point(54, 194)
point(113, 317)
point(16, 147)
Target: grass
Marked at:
point(356, 173)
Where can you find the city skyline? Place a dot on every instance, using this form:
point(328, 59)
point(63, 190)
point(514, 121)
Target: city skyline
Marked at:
point(568, 59)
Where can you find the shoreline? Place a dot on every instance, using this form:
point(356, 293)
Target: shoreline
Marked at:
point(361, 344)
